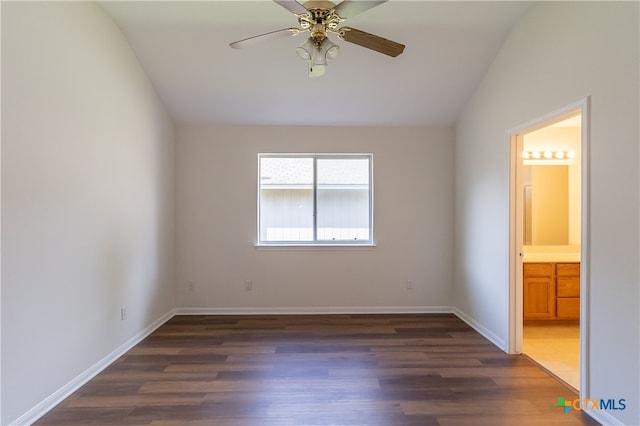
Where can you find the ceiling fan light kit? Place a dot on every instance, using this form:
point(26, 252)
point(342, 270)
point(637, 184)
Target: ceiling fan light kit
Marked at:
point(317, 57)
point(321, 18)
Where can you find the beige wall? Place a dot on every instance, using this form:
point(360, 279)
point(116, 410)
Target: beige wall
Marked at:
point(558, 54)
point(87, 198)
point(216, 210)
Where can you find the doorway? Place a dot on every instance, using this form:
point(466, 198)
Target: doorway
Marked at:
point(548, 190)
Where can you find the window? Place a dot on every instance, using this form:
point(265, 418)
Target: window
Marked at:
point(315, 199)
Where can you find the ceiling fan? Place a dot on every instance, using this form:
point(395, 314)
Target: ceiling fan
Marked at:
point(321, 18)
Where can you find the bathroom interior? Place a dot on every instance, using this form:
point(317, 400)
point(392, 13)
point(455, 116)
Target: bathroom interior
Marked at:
point(551, 248)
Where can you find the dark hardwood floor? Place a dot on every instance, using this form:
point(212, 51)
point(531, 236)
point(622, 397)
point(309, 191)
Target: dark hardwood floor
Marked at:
point(318, 370)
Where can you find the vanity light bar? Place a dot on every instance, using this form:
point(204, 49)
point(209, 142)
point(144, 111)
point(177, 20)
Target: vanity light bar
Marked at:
point(548, 155)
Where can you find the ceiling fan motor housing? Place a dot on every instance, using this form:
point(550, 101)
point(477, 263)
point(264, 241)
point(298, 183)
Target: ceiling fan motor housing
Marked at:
point(319, 19)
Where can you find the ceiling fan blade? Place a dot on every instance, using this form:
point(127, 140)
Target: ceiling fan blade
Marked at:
point(292, 6)
point(350, 8)
point(371, 41)
point(273, 35)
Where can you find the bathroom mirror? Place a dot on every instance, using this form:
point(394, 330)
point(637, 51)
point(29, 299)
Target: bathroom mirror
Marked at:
point(547, 207)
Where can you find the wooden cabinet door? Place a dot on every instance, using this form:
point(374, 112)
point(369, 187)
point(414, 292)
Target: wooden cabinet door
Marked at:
point(539, 298)
point(539, 291)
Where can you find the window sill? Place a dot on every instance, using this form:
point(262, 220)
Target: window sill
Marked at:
point(290, 246)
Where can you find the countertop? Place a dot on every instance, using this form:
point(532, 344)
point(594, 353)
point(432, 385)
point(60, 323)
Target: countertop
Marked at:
point(551, 257)
point(562, 254)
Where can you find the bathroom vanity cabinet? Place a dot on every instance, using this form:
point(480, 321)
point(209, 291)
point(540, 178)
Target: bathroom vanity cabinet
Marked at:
point(551, 291)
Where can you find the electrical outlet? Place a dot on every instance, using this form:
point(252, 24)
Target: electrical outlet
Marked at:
point(191, 286)
point(123, 313)
point(248, 285)
point(409, 285)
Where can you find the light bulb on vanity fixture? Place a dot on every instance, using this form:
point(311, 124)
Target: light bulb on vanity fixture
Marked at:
point(548, 155)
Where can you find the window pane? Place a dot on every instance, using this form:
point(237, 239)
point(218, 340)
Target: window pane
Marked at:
point(343, 199)
point(286, 199)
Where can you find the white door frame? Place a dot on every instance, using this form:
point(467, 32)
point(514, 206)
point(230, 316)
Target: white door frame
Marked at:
point(515, 309)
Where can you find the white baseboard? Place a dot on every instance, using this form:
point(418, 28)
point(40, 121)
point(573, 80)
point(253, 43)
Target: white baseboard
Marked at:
point(61, 394)
point(603, 417)
point(485, 332)
point(317, 310)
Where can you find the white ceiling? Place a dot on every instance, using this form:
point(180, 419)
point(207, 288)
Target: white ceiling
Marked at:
point(184, 48)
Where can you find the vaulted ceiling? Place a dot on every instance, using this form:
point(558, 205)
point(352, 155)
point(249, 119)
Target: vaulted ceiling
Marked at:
point(183, 46)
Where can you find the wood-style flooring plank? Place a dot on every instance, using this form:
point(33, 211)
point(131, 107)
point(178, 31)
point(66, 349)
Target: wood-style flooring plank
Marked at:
point(387, 370)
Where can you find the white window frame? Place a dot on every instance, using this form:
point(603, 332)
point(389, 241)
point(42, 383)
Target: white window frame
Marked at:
point(315, 242)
